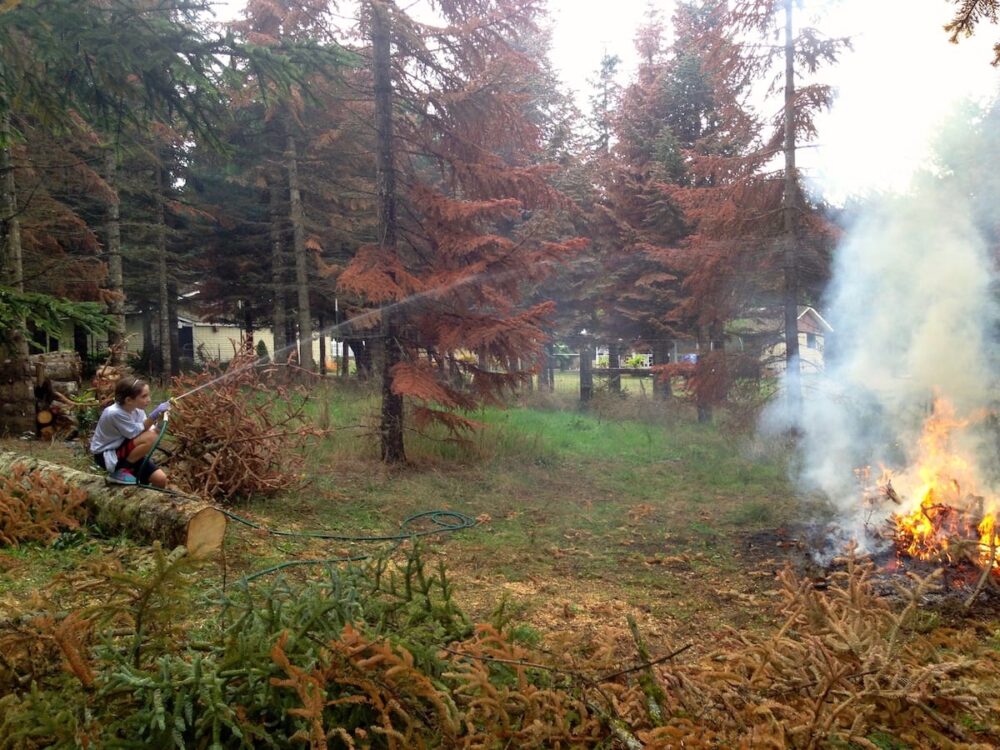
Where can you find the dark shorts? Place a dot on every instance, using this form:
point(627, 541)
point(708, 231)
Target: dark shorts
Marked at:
point(123, 463)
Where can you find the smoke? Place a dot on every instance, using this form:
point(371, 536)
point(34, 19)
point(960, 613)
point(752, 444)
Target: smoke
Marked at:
point(912, 303)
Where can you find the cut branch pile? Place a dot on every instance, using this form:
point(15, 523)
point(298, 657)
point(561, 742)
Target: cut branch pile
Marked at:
point(338, 662)
point(242, 434)
point(842, 668)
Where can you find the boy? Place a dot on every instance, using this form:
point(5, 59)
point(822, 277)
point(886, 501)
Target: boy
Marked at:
point(125, 435)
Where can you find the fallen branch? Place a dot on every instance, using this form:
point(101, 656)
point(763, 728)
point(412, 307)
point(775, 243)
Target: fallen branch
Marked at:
point(987, 572)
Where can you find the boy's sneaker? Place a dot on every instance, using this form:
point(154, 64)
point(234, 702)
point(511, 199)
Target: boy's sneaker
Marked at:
point(122, 476)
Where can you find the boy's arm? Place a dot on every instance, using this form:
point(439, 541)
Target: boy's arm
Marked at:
point(127, 427)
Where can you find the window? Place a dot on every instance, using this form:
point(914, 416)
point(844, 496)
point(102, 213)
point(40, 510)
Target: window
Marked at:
point(811, 342)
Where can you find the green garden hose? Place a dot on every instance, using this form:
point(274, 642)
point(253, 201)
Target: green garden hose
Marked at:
point(445, 521)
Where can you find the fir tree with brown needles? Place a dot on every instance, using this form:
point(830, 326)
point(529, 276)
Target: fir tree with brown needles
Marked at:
point(463, 205)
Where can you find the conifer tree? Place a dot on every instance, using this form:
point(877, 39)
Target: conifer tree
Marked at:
point(969, 15)
point(299, 125)
point(451, 277)
point(641, 278)
point(757, 240)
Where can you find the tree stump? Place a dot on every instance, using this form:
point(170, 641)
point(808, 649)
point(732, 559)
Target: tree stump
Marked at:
point(142, 514)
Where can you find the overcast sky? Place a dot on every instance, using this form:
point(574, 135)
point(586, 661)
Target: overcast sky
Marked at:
point(894, 89)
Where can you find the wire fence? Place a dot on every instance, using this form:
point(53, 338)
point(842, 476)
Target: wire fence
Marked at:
point(567, 383)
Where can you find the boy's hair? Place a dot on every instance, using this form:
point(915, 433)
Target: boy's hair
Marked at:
point(128, 387)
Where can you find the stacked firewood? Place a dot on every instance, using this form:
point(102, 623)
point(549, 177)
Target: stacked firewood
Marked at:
point(57, 386)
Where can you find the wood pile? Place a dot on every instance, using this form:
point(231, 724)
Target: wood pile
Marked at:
point(16, 399)
point(58, 377)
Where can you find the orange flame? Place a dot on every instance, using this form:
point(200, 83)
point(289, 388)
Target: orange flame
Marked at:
point(949, 511)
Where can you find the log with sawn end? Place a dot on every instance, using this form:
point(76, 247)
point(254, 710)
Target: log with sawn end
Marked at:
point(143, 514)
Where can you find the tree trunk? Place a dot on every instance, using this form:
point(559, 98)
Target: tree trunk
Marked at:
point(163, 285)
point(148, 346)
point(297, 218)
point(362, 357)
point(80, 342)
point(790, 207)
point(248, 330)
point(113, 250)
point(142, 514)
point(17, 402)
point(277, 272)
point(544, 372)
point(322, 347)
point(391, 426)
point(661, 356)
point(11, 262)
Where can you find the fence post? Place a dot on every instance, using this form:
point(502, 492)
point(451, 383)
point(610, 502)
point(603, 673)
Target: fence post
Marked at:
point(614, 363)
point(586, 372)
point(550, 365)
point(661, 356)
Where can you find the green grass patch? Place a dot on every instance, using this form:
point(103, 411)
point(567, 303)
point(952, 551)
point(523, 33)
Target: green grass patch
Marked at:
point(586, 504)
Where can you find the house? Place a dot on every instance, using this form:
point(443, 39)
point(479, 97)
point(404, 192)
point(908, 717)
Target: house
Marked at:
point(199, 340)
point(764, 333)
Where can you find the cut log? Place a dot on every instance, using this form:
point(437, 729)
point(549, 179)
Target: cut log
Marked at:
point(142, 514)
point(44, 417)
point(57, 366)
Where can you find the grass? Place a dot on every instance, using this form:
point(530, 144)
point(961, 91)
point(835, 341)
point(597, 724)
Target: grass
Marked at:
point(583, 517)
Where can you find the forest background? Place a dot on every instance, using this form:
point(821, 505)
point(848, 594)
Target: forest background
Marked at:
point(429, 190)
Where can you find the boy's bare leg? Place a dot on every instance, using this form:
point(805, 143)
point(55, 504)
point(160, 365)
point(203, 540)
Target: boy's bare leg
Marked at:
point(143, 444)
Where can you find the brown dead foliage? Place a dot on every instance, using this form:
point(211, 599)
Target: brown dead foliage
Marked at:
point(43, 644)
point(843, 670)
point(843, 667)
point(36, 507)
point(237, 432)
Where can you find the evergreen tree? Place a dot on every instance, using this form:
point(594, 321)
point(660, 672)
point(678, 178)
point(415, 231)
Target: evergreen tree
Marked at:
point(458, 168)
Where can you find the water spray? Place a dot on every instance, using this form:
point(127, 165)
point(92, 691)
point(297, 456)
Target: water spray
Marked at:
point(367, 317)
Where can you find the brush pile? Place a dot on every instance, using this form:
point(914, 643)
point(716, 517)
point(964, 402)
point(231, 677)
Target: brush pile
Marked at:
point(382, 658)
point(242, 434)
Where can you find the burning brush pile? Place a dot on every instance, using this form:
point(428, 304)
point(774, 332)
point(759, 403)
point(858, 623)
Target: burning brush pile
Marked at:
point(939, 514)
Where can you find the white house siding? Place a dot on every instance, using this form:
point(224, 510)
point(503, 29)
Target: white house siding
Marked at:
point(216, 342)
point(810, 354)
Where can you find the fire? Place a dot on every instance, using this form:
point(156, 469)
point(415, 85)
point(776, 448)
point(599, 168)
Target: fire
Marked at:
point(950, 519)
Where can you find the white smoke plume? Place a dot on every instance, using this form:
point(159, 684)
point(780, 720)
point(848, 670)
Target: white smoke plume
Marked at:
point(912, 303)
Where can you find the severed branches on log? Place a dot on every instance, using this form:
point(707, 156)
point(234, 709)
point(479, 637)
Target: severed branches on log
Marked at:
point(142, 514)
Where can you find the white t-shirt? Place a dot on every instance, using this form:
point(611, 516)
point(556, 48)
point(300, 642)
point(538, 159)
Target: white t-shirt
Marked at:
point(115, 426)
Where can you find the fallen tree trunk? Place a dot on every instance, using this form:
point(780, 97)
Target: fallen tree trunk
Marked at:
point(142, 514)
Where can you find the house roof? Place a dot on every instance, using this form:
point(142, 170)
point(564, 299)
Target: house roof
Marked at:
point(766, 322)
point(806, 310)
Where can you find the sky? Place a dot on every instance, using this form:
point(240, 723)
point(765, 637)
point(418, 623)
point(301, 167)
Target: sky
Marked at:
point(895, 88)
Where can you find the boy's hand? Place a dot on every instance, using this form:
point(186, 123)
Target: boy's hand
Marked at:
point(159, 411)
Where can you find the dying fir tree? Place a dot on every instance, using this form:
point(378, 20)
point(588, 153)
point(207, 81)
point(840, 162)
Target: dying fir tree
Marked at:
point(759, 239)
point(462, 199)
